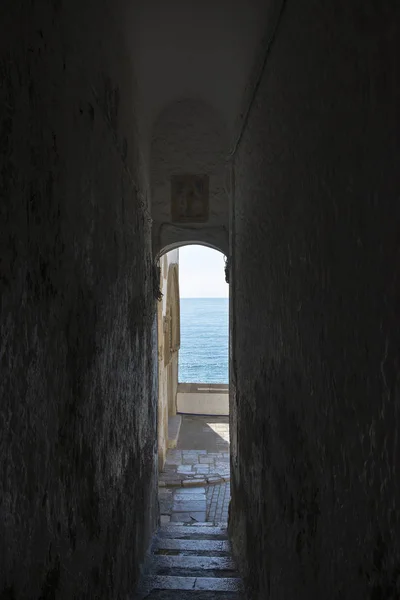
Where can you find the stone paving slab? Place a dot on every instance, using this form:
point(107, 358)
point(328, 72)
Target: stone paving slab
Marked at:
point(177, 496)
point(188, 492)
point(200, 532)
point(190, 488)
point(208, 563)
point(189, 505)
point(184, 544)
point(223, 584)
point(202, 453)
point(218, 498)
point(194, 595)
point(205, 469)
point(196, 516)
point(200, 525)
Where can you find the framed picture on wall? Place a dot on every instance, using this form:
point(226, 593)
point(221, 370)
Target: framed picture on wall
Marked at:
point(189, 198)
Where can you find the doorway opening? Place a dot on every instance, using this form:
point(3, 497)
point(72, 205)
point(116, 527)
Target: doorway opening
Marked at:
point(203, 372)
point(193, 370)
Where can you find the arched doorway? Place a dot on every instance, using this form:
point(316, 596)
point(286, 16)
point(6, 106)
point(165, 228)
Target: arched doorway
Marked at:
point(208, 393)
point(193, 329)
point(203, 357)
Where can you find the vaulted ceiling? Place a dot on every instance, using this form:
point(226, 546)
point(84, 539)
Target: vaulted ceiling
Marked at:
point(201, 49)
point(193, 60)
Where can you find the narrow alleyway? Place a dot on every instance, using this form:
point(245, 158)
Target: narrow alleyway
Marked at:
point(191, 550)
point(265, 131)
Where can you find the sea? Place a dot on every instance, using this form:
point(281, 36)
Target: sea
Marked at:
point(203, 355)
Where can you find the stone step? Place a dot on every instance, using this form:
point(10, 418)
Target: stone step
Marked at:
point(195, 533)
point(195, 525)
point(193, 563)
point(190, 553)
point(210, 546)
point(196, 573)
point(214, 584)
point(192, 595)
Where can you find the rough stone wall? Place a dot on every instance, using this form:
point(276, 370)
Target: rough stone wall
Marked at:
point(78, 450)
point(315, 346)
point(162, 410)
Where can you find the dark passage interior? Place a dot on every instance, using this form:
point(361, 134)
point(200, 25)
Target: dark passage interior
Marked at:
point(268, 130)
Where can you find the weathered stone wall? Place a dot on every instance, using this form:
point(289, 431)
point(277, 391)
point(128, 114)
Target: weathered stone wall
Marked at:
point(315, 347)
point(167, 372)
point(78, 399)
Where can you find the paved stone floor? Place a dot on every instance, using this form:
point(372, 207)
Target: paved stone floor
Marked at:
point(204, 494)
point(202, 453)
point(193, 505)
point(191, 554)
point(217, 503)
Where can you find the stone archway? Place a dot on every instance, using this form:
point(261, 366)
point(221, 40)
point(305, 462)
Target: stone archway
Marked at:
point(193, 242)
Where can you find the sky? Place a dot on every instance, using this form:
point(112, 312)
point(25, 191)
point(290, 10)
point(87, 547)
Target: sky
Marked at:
point(201, 273)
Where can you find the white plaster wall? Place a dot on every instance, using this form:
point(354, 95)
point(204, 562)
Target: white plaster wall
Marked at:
point(203, 403)
point(200, 49)
point(190, 137)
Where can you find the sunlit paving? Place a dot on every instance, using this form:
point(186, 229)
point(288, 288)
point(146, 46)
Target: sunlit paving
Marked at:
point(221, 429)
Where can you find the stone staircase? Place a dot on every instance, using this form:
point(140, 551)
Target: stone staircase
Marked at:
point(191, 562)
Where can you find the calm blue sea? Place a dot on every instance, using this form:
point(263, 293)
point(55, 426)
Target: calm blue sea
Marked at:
point(203, 356)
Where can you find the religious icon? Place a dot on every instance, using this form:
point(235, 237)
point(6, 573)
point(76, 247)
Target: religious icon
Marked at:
point(189, 198)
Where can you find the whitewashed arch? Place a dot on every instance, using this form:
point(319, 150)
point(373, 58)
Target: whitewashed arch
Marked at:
point(190, 137)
